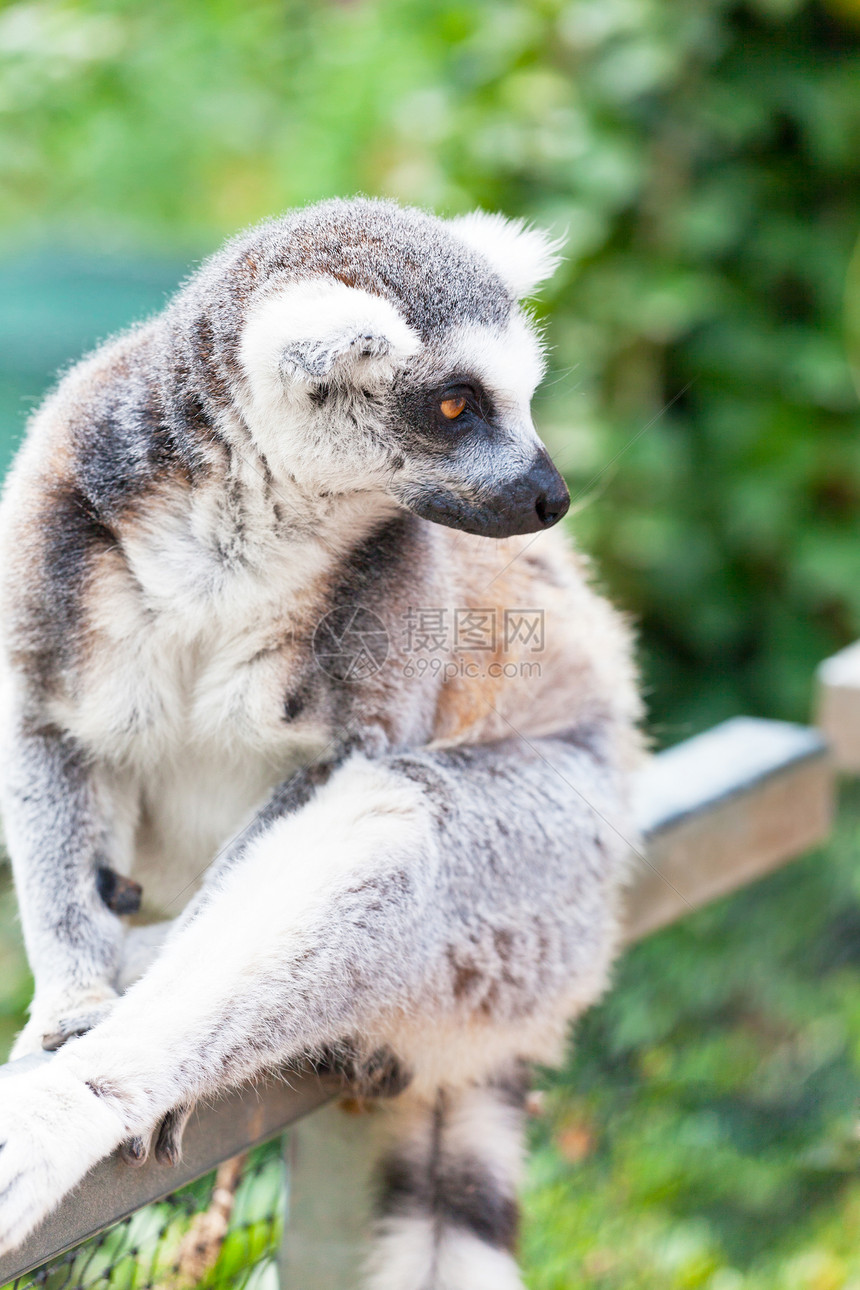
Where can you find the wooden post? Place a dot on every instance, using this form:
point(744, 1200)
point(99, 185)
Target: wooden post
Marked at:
point(330, 1158)
point(721, 810)
point(838, 706)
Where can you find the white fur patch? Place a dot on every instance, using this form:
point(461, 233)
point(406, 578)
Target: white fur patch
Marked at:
point(465, 1263)
point(140, 948)
point(445, 1050)
point(308, 333)
point(523, 257)
point(510, 363)
point(482, 1125)
point(402, 1255)
point(408, 1255)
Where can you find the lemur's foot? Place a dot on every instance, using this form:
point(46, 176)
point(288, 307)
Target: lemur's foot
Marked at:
point(382, 1074)
point(53, 1129)
point(166, 1141)
point(53, 1025)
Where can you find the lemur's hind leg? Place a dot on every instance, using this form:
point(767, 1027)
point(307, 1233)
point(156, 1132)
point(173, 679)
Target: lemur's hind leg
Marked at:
point(380, 1075)
point(470, 890)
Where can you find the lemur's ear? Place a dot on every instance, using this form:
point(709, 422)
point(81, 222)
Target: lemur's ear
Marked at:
point(320, 329)
point(523, 257)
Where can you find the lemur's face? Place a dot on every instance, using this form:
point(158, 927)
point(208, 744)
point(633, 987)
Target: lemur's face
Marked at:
point(471, 455)
point(413, 382)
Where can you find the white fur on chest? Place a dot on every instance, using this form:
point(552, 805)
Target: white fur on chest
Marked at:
point(184, 694)
point(215, 742)
point(174, 667)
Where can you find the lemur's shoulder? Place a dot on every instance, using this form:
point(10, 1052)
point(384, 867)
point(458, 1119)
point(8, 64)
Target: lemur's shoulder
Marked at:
point(95, 442)
point(95, 449)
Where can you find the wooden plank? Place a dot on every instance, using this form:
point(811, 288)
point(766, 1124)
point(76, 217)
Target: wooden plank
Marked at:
point(722, 809)
point(838, 706)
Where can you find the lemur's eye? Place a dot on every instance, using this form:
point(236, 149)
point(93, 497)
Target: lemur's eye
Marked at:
point(452, 407)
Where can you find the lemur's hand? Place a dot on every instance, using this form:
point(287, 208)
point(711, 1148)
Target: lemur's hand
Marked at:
point(52, 1023)
point(53, 1129)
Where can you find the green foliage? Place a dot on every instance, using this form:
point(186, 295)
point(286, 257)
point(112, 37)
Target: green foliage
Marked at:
point(703, 160)
point(146, 1249)
point(16, 985)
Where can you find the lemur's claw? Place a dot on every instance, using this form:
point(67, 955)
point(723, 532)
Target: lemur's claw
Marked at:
point(50, 1043)
point(380, 1075)
point(168, 1143)
point(135, 1151)
point(55, 1022)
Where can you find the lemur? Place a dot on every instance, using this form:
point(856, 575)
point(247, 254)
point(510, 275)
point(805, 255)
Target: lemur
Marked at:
point(212, 544)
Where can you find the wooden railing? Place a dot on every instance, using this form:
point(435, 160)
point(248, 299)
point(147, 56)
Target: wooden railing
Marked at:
point(716, 812)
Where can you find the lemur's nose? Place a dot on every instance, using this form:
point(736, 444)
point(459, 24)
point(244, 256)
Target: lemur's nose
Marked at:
point(551, 509)
point(552, 498)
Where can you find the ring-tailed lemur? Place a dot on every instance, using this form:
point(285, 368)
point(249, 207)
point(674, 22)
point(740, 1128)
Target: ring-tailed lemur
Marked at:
point(214, 544)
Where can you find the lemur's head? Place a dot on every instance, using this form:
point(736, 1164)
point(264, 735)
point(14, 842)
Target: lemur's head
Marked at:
point(384, 349)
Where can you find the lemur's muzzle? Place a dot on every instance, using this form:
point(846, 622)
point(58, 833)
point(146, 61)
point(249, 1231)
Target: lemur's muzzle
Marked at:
point(533, 501)
point(536, 500)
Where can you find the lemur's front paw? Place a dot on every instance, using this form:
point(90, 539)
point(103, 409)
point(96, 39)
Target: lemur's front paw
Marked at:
point(77, 1023)
point(53, 1129)
point(51, 1026)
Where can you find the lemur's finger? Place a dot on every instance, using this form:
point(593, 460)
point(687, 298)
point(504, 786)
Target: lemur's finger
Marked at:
point(166, 1140)
point(168, 1144)
point(381, 1074)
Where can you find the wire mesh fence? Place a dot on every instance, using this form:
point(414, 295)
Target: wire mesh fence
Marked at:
point(219, 1233)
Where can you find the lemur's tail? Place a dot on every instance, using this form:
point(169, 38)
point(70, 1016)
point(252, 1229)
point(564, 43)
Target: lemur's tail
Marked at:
point(447, 1208)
